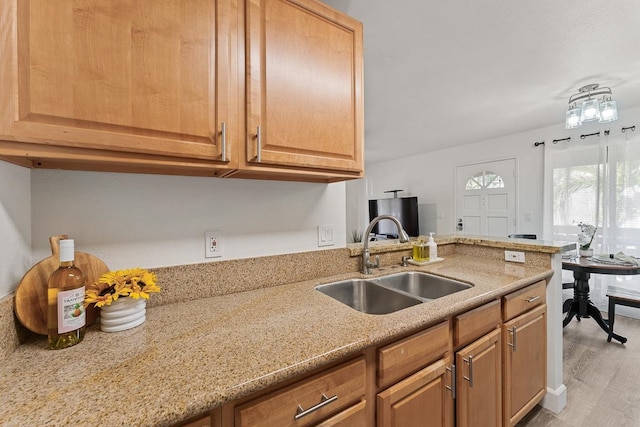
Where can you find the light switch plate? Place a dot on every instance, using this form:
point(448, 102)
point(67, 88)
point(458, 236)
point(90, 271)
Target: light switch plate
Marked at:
point(325, 235)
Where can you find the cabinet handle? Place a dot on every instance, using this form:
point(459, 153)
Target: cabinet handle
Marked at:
point(470, 377)
point(258, 145)
point(514, 332)
point(223, 136)
point(452, 369)
point(532, 299)
point(324, 400)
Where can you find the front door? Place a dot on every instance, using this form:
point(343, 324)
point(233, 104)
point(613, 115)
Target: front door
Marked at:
point(486, 198)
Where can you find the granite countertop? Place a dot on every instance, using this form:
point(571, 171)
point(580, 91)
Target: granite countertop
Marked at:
point(190, 357)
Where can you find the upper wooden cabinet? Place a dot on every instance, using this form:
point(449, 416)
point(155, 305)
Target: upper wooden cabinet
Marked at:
point(303, 87)
point(93, 80)
point(145, 86)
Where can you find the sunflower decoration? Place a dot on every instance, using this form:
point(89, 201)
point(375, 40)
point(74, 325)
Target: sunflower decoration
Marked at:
point(134, 283)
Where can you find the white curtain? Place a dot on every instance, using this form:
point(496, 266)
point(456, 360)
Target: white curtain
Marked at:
point(596, 180)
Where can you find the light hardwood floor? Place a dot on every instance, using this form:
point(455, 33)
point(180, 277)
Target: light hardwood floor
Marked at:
point(602, 378)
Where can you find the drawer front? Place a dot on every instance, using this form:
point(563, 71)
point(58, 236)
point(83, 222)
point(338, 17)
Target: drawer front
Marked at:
point(342, 386)
point(475, 323)
point(524, 300)
point(354, 416)
point(408, 355)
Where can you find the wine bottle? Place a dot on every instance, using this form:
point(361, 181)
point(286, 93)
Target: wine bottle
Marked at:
point(66, 312)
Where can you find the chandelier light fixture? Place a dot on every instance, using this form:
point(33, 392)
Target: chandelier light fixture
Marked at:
point(591, 109)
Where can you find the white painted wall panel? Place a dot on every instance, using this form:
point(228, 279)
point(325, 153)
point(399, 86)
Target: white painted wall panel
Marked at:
point(133, 220)
point(15, 225)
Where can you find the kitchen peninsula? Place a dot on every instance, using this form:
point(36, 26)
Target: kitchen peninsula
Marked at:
point(228, 330)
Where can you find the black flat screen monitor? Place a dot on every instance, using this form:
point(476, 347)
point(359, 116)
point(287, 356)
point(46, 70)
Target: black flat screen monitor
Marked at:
point(403, 208)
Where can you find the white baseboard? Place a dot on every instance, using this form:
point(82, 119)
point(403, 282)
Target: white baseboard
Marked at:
point(555, 400)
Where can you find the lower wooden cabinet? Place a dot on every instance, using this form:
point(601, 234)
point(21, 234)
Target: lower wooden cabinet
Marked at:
point(354, 416)
point(404, 357)
point(525, 363)
point(479, 382)
point(308, 401)
point(422, 399)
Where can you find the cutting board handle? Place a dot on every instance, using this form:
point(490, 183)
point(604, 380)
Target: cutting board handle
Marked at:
point(54, 241)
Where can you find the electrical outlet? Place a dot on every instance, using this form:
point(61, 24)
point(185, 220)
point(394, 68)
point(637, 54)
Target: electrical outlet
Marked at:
point(514, 256)
point(212, 244)
point(325, 235)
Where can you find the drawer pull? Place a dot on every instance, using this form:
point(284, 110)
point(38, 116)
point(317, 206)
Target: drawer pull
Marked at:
point(452, 369)
point(470, 377)
point(532, 299)
point(323, 402)
point(258, 157)
point(223, 136)
point(514, 332)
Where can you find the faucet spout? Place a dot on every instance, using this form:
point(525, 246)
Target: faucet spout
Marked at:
point(366, 257)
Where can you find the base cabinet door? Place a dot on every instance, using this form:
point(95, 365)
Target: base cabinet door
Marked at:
point(422, 399)
point(525, 358)
point(479, 382)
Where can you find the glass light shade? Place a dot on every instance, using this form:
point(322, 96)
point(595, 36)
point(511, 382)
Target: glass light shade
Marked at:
point(590, 110)
point(608, 111)
point(573, 118)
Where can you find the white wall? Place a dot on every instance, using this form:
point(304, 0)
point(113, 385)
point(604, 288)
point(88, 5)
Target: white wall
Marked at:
point(131, 220)
point(430, 175)
point(15, 225)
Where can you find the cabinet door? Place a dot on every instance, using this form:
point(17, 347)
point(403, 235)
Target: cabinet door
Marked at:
point(124, 76)
point(422, 399)
point(525, 363)
point(304, 86)
point(479, 382)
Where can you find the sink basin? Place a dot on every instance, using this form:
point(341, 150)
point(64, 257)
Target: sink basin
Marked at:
point(387, 294)
point(423, 285)
point(367, 297)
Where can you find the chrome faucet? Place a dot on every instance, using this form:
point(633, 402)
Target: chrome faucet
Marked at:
point(366, 257)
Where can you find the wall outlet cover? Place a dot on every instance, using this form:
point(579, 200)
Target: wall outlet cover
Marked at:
point(514, 256)
point(213, 244)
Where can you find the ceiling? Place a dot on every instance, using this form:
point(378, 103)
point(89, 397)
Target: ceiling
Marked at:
point(446, 73)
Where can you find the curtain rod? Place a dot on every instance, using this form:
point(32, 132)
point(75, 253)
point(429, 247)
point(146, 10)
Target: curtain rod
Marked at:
point(584, 136)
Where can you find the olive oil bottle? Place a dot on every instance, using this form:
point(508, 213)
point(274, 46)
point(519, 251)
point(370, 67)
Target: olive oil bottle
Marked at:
point(66, 314)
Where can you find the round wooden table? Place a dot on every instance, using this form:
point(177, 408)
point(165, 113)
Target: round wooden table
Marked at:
point(580, 306)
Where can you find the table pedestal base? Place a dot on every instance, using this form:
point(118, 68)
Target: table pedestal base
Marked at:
point(581, 307)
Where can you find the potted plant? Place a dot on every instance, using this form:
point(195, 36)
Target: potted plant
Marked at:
point(121, 296)
point(585, 238)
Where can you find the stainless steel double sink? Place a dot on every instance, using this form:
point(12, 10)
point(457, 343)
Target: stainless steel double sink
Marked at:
point(387, 294)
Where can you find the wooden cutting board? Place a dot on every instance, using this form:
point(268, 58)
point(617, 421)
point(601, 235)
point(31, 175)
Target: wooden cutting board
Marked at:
point(31, 293)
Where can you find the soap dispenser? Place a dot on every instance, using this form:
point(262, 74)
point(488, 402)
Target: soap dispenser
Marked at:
point(420, 251)
point(433, 248)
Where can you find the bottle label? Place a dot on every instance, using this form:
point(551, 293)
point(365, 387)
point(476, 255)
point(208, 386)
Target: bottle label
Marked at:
point(71, 314)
